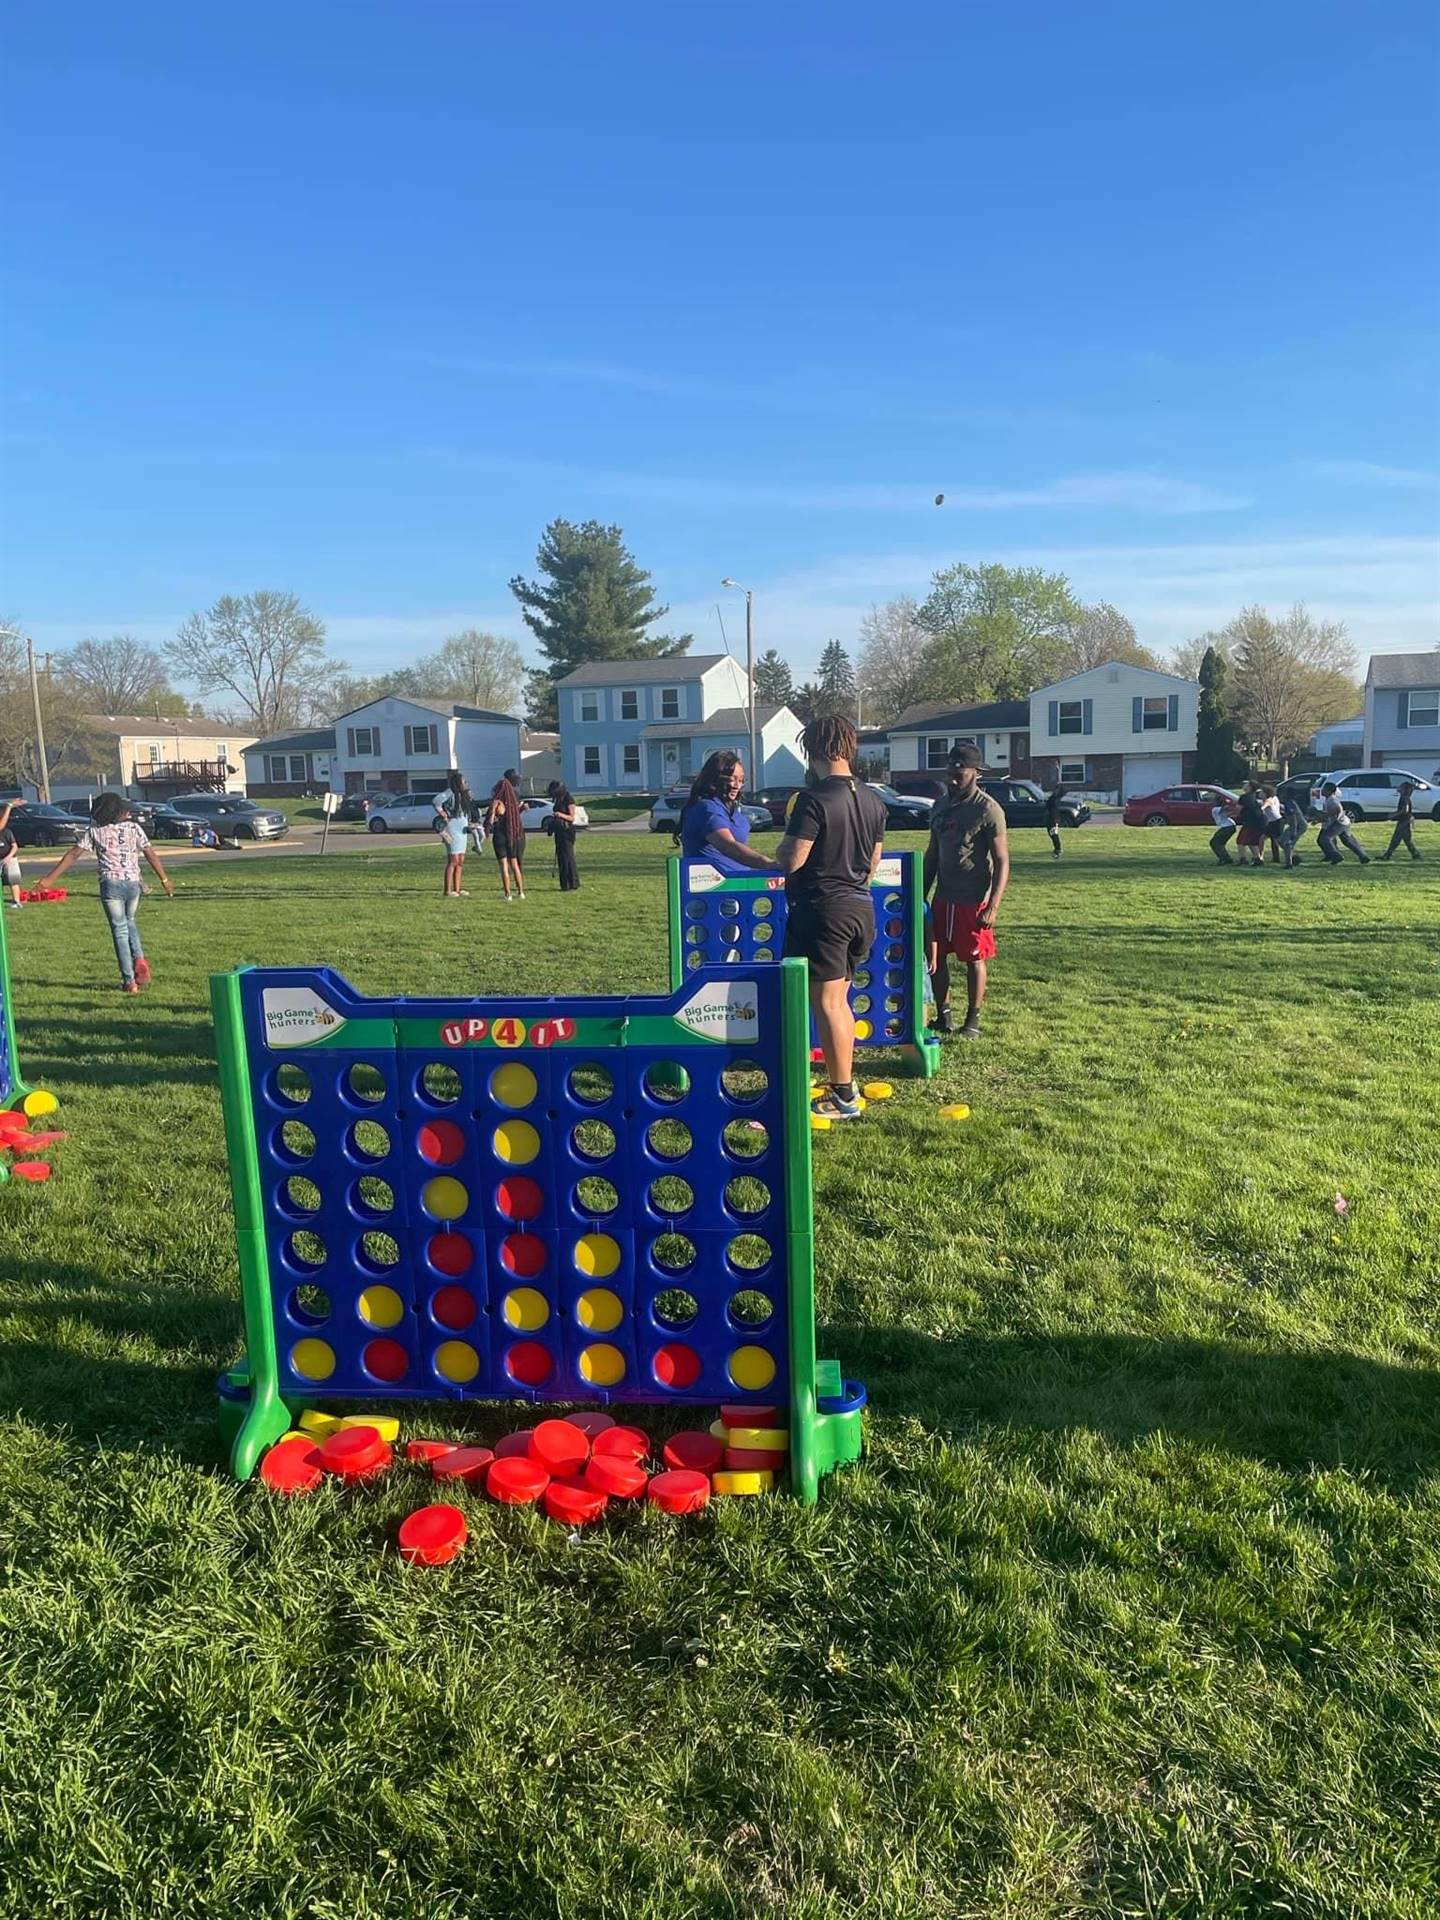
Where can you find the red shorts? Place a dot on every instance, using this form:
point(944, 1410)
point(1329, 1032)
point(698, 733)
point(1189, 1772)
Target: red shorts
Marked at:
point(958, 930)
point(1250, 837)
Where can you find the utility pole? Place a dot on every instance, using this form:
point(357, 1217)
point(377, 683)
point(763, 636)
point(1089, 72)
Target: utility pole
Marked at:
point(756, 771)
point(44, 782)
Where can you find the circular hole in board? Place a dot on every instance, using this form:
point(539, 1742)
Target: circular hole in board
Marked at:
point(730, 935)
point(385, 1360)
point(451, 1254)
point(745, 1195)
point(666, 1082)
point(694, 962)
point(891, 903)
point(453, 1308)
point(745, 1139)
point(364, 1084)
point(513, 1085)
point(668, 1139)
point(730, 909)
point(673, 1252)
point(378, 1252)
point(763, 908)
point(294, 1142)
point(675, 1309)
point(596, 1196)
point(695, 936)
point(593, 1140)
point(308, 1305)
point(745, 1082)
point(292, 1084)
point(894, 955)
point(439, 1084)
point(671, 1196)
point(301, 1196)
point(440, 1142)
point(380, 1307)
point(894, 979)
point(529, 1363)
point(749, 1309)
point(591, 1084)
point(860, 1003)
point(372, 1198)
point(305, 1249)
point(676, 1366)
point(749, 1252)
point(367, 1140)
point(694, 909)
point(763, 956)
point(894, 929)
point(862, 978)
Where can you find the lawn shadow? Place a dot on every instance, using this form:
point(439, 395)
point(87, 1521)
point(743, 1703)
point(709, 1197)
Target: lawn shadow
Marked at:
point(1293, 1410)
point(176, 1047)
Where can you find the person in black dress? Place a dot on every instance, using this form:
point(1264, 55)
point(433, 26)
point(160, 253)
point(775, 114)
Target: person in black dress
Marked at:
point(507, 834)
point(562, 825)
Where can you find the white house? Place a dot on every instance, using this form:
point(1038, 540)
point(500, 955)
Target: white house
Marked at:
point(1116, 730)
point(1402, 711)
point(921, 739)
point(648, 724)
point(400, 744)
point(289, 764)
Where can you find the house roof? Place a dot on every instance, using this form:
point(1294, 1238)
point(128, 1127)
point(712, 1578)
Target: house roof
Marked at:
point(726, 721)
point(450, 709)
point(1404, 669)
point(1125, 666)
point(308, 740)
point(184, 724)
point(632, 673)
point(998, 716)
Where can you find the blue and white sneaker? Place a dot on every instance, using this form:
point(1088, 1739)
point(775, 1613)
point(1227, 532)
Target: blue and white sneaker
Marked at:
point(831, 1107)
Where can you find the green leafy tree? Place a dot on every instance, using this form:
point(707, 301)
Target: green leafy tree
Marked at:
point(996, 632)
point(1215, 755)
point(773, 682)
point(1290, 675)
point(591, 602)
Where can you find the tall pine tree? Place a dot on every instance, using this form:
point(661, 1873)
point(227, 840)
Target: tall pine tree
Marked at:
point(835, 679)
point(773, 682)
point(593, 602)
point(1215, 755)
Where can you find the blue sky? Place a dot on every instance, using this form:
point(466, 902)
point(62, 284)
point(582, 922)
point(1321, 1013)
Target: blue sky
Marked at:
point(351, 300)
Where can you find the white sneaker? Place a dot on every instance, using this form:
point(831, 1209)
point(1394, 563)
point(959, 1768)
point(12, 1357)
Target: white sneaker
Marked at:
point(522, 893)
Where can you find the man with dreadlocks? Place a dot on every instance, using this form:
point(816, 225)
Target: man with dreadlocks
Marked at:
point(829, 855)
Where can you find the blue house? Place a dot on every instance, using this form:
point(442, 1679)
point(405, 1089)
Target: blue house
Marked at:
point(1402, 712)
point(647, 725)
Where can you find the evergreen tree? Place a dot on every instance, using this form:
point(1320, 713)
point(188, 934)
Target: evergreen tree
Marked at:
point(1215, 755)
point(592, 603)
point(836, 680)
point(773, 683)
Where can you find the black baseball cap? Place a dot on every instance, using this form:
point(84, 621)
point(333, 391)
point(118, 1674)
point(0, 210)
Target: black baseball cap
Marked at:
point(966, 755)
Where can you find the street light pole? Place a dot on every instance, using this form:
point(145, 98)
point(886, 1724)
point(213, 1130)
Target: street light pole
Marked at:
point(44, 782)
point(756, 771)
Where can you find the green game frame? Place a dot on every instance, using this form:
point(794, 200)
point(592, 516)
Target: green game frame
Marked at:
point(18, 1087)
point(818, 1441)
point(920, 1052)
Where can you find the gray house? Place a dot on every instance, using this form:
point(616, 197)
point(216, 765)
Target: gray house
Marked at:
point(1402, 712)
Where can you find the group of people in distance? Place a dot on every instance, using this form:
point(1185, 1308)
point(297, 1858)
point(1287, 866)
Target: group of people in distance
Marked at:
point(1259, 817)
point(460, 820)
point(829, 852)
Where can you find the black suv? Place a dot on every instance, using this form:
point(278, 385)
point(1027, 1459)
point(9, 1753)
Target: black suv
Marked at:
point(1024, 804)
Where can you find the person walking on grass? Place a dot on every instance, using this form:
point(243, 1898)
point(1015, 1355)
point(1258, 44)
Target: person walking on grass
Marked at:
point(967, 865)
point(1223, 814)
point(1404, 834)
point(507, 834)
point(713, 824)
point(828, 854)
point(1293, 827)
point(562, 825)
point(452, 819)
point(9, 864)
point(1052, 816)
point(1251, 841)
point(1335, 825)
point(1273, 815)
point(117, 843)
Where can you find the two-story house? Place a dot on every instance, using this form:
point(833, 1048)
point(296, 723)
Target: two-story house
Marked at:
point(921, 739)
point(401, 744)
point(150, 759)
point(649, 724)
point(1115, 730)
point(1402, 712)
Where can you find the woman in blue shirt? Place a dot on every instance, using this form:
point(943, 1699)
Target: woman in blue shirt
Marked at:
point(712, 826)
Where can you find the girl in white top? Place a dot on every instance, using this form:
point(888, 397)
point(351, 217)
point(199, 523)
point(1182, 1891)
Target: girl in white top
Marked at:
point(118, 842)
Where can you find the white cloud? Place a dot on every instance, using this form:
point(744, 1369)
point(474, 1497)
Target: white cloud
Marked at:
point(1366, 473)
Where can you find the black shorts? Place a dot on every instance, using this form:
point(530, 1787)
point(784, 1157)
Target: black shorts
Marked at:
point(502, 846)
point(834, 936)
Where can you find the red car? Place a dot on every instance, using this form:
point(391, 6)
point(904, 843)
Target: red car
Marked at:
point(1176, 807)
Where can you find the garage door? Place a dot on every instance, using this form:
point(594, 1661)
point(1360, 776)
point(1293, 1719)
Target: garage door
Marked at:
point(1148, 772)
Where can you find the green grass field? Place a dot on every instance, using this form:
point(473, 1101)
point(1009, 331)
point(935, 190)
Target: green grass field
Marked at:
point(1133, 1607)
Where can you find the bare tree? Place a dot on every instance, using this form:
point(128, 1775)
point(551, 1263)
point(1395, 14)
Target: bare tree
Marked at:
point(119, 675)
point(481, 669)
point(71, 748)
point(1290, 676)
point(892, 670)
point(265, 649)
point(1104, 633)
point(1188, 657)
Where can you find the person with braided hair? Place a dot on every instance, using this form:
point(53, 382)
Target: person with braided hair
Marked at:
point(832, 846)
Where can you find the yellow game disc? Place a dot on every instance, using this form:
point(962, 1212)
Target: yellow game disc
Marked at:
point(38, 1102)
point(597, 1255)
point(513, 1085)
point(742, 1480)
point(385, 1424)
point(599, 1310)
point(516, 1142)
point(758, 1439)
point(877, 1089)
point(457, 1361)
point(318, 1425)
point(863, 1029)
point(602, 1365)
point(381, 1307)
point(819, 1123)
point(525, 1309)
point(295, 1433)
point(955, 1113)
point(313, 1359)
point(751, 1368)
point(444, 1198)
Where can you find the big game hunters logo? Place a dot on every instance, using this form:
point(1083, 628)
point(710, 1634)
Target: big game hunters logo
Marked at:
point(723, 1010)
point(297, 1017)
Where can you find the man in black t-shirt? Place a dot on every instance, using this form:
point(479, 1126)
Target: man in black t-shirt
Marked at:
point(829, 855)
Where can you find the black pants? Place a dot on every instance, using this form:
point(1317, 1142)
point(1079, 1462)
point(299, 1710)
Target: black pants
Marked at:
point(1401, 837)
point(1220, 839)
point(1054, 833)
point(565, 861)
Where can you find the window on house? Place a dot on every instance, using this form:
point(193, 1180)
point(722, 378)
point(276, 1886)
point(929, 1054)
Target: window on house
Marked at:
point(632, 760)
point(297, 767)
point(937, 752)
point(670, 703)
point(1072, 716)
point(589, 706)
point(420, 740)
point(1072, 773)
point(1155, 713)
point(1424, 709)
point(629, 703)
point(276, 769)
point(364, 742)
point(591, 766)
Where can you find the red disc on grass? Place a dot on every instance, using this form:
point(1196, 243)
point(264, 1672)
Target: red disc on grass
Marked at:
point(440, 1142)
point(529, 1363)
point(514, 1446)
point(677, 1365)
point(750, 1417)
point(574, 1506)
point(519, 1198)
point(621, 1479)
point(559, 1447)
point(354, 1452)
point(523, 1254)
point(591, 1423)
point(624, 1443)
point(679, 1492)
point(817, 1056)
point(451, 1254)
point(516, 1482)
point(453, 1307)
point(701, 1452)
point(463, 1463)
point(30, 1142)
point(432, 1535)
point(426, 1450)
point(291, 1466)
point(754, 1460)
point(31, 1169)
point(13, 1119)
point(385, 1360)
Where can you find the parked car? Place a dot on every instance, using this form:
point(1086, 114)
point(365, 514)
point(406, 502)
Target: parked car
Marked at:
point(666, 811)
point(1373, 793)
point(774, 800)
point(35, 824)
point(1176, 807)
point(1301, 788)
point(924, 786)
point(356, 806)
point(232, 817)
point(164, 822)
point(534, 814)
point(1024, 804)
point(903, 810)
point(142, 812)
point(402, 812)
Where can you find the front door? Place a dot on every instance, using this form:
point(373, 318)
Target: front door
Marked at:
point(669, 764)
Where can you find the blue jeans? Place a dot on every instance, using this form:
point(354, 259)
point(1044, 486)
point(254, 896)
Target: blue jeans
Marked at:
point(120, 898)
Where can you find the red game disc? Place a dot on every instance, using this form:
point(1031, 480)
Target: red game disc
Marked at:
point(516, 1482)
point(432, 1535)
point(701, 1452)
point(31, 1169)
point(574, 1506)
point(754, 1459)
point(680, 1492)
point(591, 1423)
point(424, 1450)
point(621, 1479)
point(292, 1466)
point(514, 1446)
point(626, 1443)
point(750, 1417)
point(354, 1453)
point(559, 1447)
point(463, 1463)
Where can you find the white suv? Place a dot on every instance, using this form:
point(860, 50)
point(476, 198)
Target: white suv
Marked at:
point(1373, 793)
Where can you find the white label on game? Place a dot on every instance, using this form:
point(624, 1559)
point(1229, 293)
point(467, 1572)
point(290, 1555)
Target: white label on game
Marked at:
point(297, 1017)
point(887, 874)
point(723, 1010)
point(703, 879)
